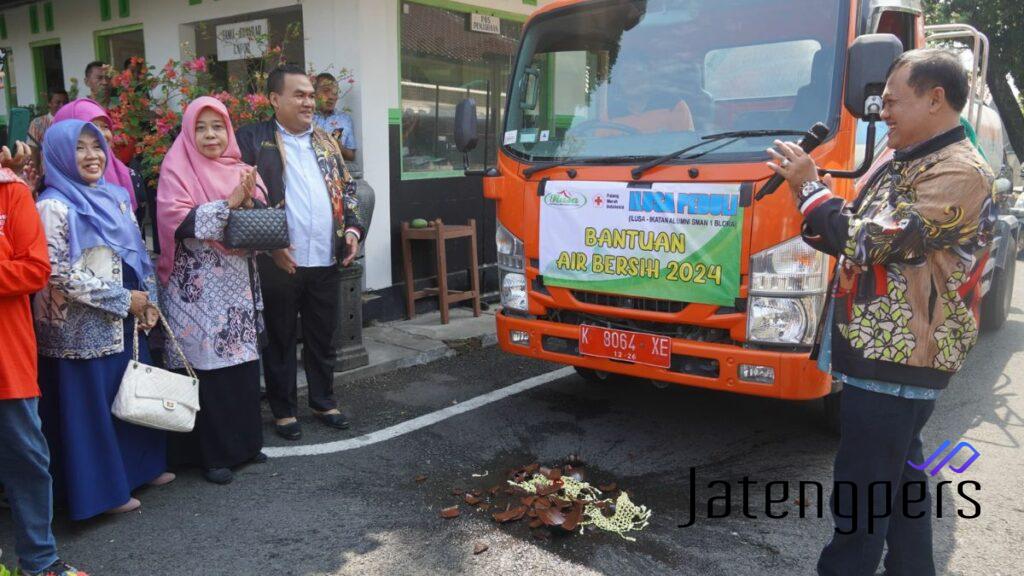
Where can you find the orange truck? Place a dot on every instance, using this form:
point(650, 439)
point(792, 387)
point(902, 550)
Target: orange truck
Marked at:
point(633, 236)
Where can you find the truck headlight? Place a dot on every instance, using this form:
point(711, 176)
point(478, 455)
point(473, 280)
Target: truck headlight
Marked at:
point(512, 265)
point(787, 289)
point(510, 250)
point(513, 291)
point(774, 320)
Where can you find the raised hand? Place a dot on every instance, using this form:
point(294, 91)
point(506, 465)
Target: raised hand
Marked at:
point(17, 160)
point(242, 195)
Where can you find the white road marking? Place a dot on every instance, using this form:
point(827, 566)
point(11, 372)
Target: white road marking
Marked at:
point(419, 422)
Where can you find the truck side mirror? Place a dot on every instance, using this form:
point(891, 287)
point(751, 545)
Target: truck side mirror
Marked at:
point(870, 58)
point(465, 125)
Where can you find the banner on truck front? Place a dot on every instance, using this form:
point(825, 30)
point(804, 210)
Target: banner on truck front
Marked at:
point(666, 241)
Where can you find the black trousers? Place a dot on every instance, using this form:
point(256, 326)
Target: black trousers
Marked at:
point(229, 428)
point(312, 292)
point(879, 433)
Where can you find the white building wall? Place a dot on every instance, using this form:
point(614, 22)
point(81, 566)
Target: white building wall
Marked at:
point(361, 35)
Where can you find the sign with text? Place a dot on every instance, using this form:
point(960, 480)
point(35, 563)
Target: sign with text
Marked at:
point(666, 241)
point(484, 23)
point(241, 40)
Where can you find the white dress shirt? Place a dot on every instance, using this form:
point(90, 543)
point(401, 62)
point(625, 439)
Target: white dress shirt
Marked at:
point(307, 202)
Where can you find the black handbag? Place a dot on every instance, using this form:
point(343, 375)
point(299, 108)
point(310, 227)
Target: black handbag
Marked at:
point(259, 229)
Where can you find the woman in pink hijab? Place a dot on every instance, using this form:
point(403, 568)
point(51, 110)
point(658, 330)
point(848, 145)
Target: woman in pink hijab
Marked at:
point(88, 110)
point(211, 295)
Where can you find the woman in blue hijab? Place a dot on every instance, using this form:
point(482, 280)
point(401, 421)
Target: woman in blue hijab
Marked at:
point(101, 283)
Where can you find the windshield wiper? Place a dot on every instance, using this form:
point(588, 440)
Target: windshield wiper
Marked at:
point(565, 161)
point(710, 138)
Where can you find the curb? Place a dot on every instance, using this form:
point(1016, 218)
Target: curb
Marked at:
point(444, 349)
point(418, 359)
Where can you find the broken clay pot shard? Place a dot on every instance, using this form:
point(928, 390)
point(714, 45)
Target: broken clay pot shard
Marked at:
point(512, 515)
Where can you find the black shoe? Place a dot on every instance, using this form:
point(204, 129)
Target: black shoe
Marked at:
point(333, 420)
point(258, 459)
point(289, 431)
point(219, 475)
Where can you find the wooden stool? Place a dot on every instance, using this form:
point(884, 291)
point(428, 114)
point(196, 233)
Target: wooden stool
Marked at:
point(439, 233)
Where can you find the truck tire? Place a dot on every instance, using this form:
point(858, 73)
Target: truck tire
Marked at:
point(995, 307)
point(830, 406)
point(593, 375)
point(603, 378)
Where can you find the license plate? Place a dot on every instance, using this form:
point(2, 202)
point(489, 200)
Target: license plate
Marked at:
point(637, 347)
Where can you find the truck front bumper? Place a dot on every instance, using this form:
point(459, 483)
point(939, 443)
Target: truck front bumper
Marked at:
point(703, 364)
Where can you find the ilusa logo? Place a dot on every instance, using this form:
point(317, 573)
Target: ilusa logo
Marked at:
point(565, 199)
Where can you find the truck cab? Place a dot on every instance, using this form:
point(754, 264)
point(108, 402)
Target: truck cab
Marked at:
point(633, 236)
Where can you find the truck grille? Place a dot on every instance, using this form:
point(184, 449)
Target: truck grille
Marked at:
point(683, 331)
point(629, 302)
point(637, 303)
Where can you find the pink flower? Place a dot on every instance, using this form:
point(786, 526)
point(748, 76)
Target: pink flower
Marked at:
point(256, 100)
point(197, 65)
point(163, 127)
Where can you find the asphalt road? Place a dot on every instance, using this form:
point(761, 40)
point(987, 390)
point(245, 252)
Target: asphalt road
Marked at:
point(361, 511)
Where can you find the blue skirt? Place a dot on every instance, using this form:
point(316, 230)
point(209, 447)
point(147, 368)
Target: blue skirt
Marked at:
point(96, 460)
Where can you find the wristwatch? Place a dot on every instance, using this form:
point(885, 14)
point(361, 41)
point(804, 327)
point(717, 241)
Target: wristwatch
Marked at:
point(810, 192)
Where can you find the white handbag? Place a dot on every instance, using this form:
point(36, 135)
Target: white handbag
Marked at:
point(157, 398)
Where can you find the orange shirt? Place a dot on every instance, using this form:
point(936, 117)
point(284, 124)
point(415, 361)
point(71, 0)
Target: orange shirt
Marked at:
point(678, 119)
point(24, 270)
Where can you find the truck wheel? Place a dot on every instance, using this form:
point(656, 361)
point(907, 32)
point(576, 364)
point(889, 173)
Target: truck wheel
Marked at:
point(996, 305)
point(830, 412)
point(601, 377)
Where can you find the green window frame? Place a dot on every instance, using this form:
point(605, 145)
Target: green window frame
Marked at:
point(37, 67)
point(101, 48)
point(105, 13)
point(124, 8)
point(3, 27)
point(395, 115)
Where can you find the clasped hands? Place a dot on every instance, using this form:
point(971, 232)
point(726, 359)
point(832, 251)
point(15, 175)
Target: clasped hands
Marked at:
point(242, 195)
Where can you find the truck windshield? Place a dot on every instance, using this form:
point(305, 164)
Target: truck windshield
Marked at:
point(646, 77)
